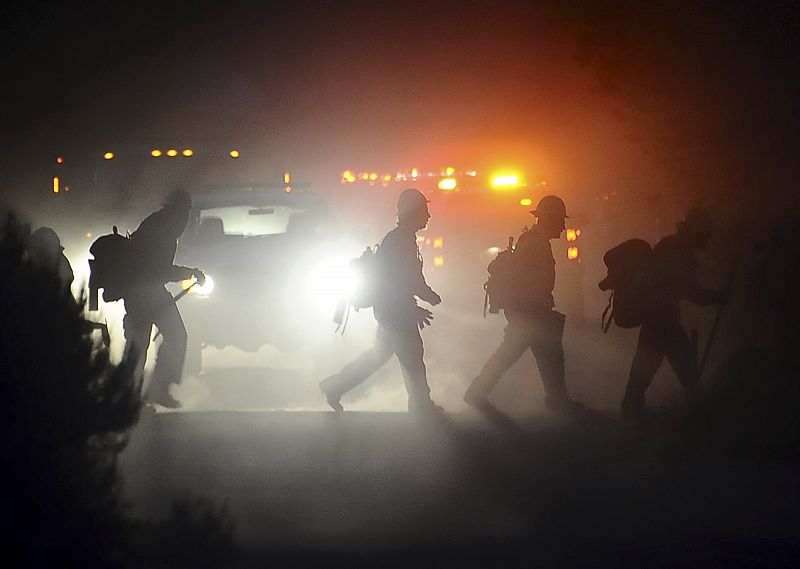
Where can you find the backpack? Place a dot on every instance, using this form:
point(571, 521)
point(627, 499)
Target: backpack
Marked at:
point(366, 270)
point(501, 287)
point(110, 269)
point(627, 265)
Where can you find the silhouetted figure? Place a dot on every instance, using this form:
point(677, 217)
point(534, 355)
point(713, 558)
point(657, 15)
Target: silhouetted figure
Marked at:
point(45, 252)
point(533, 324)
point(671, 276)
point(399, 317)
point(147, 301)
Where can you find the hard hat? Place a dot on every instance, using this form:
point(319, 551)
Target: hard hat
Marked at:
point(410, 200)
point(44, 239)
point(551, 206)
point(698, 221)
point(179, 198)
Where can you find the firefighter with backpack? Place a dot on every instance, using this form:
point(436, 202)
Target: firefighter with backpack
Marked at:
point(521, 283)
point(150, 258)
point(396, 282)
point(669, 275)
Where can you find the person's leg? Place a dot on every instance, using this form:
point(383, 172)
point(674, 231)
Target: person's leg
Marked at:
point(678, 350)
point(410, 351)
point(171, 353)
point(137, 328)
point(357, 371)
point(548, 349)
point(646, 361)
point(516, 339)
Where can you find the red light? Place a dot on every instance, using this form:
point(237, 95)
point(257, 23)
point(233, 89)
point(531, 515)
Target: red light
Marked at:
point(59, 160)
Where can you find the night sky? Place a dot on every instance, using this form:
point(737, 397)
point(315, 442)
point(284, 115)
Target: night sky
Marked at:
point(685, 99)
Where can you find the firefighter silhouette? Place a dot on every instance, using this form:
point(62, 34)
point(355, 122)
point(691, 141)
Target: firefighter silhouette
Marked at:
point(533, 324)
point(147, 301)
point(401, 282)
point(671, 276)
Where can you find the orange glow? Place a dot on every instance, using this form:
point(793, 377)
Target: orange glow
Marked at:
point(234, 154)
point(447, 184)
point(572, 253)
point(188, 152)
point(155, 153)
point(56, 185)
point(449, 171)
point(526, 202)
point(572, 234)
point(438, 261)
point(172, 152)
point(414, 173)
point(438, 243)
point(108, 155)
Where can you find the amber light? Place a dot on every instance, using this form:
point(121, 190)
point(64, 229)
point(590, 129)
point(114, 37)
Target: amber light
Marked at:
point(572, 234)
point(572, 253)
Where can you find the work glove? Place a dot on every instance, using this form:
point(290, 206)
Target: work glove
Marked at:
point(199, 276)
point(424, 317)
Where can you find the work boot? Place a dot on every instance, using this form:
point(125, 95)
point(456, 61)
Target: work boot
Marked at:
point(332, 396)
point(475, 397)
point(424, 407)
point(161, 396)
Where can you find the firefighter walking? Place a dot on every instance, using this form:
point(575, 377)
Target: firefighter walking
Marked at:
point(147, 301)
point(533, 324)
point(401, 282)
point(671, 276)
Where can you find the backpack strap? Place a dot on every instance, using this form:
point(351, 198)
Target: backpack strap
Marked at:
point(607, 312)
point(485, 299)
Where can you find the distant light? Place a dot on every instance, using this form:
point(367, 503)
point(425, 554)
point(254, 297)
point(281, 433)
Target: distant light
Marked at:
point(108, 155)
point(373, 176)
point(572, 253)
point(505, 181)
point(387, 178)
point(438, 243)
point(172, 152)
point(348, 177)
point(287, 178)
point(447, 184)
point(471, 173)
point(155, 153)
point(234, 154)
point(414, 173)
point(542, 182)
point(188, 152)
point(59, 160)
point(56, 185)
point(438, 261)
point(449, 171)
point(88, 235)
point(364, 176)
point(493, 250)
point(572, 234)
point(287, 189)
point(526, 202)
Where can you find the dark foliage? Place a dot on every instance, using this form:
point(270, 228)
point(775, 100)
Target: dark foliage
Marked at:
point(65, 414)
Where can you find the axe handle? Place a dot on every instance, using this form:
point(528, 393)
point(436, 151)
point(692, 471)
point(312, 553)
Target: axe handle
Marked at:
point(176, 298)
